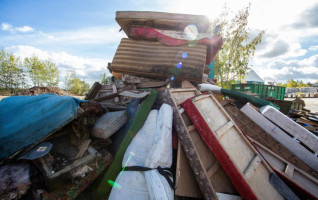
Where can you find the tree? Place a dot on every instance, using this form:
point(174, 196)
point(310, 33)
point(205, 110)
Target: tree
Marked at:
point(11, 72)
point(75, 85)
point(105, 79)
point(42, 73)
point(295, 84)
point(231, 63)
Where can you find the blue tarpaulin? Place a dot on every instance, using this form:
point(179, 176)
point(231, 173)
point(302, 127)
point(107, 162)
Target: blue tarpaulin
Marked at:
point(26, 120)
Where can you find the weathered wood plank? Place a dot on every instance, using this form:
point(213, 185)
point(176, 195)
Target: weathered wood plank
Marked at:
point(251, 129)
point(291, 127)
point(302, 179)
point(300, 151)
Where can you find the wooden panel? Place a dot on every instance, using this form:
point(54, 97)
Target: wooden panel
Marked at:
point(303, 180)
point(160, 20)
point(291, 127)
point(300, 151)
point(233, 151)
point(251, 129)
point(152, 59)
point(185, 179)
point(199, 156)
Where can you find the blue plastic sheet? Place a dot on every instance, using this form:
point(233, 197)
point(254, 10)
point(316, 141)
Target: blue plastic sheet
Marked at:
point(26, 120)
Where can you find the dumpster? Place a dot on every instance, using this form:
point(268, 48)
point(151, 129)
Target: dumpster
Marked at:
point(260, 90)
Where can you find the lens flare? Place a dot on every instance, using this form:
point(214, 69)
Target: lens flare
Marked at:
point(179, 65)
point(172, 78)
point(114, 184)
point(191, 32)
point(184, 55)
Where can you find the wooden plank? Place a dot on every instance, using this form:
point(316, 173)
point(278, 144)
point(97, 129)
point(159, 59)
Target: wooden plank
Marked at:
point(221, 131)
point(93, 91)
point(110, 96)
point(251, 129)
point(300, 151)
point(199, 156)
point(185, 179)
point(213, 169)
point(306, 121)
point(152, 84)
point(233, 151)
point(191, 128)
point(251, 168)
point(152, 59)
point(205, 185)
point(303, 180)
point(291, 127)
point(161, 20)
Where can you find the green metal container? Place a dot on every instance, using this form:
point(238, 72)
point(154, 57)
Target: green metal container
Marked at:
point(260, 90)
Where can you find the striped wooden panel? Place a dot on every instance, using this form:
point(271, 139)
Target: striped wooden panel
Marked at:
point(152, 59)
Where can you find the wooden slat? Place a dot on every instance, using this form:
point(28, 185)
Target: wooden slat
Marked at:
point(160, 20)
point(251, 168)
point(213, 169)
point(191, 128)
point(300, 151)
point(291, 127)
point(251, 129)
point(152, 59)
point(303, 180)
point(221, 131)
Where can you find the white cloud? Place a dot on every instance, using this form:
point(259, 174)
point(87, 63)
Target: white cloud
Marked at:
point(24, 29)
point(10, 28)
point(313, 48)
point(88, 69)
point(281, 70)
point(7, 27)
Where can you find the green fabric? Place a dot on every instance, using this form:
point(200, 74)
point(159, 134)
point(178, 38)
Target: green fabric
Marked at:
point(247, 98)
point(104, 188)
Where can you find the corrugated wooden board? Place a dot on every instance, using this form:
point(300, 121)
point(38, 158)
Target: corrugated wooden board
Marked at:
point(160, 20)
point(152, 59)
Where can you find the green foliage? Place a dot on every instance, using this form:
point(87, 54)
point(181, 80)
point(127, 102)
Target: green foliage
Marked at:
point(296, 84)
point(105, 79)
point(282, 85)
point(231, 63)
point(12, 74)
point(75, 85)
point(42, 73)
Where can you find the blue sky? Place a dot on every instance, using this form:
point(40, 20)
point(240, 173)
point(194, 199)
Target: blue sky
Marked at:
point(83, 35)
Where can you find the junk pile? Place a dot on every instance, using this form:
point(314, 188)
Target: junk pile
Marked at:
point(43, 90)
point(161, 130)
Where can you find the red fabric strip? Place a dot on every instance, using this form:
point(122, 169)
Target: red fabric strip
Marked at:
point(214, 44)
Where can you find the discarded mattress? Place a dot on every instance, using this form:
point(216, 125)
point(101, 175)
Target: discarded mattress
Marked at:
point(104, 188)
point(26, 120)
point(109, 123)
point(151, 148)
